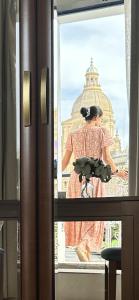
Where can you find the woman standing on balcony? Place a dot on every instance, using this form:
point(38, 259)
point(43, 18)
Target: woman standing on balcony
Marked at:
point(92, 140)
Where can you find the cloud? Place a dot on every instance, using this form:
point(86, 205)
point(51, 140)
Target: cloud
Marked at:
point(103, 39)
point(87, 30)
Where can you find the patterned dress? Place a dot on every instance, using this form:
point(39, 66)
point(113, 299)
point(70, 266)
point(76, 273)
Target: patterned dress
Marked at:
point(86, 142)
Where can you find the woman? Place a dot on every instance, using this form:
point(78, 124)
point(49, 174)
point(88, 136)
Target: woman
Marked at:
point(92, 140)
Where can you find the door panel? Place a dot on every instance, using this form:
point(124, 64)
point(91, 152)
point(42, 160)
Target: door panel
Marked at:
point(28, 11)
point(45, 149)
point(35, 18)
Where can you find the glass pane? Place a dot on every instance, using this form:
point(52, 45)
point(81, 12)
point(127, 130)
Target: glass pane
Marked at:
point(86, 75)
point(9, 100)
point(69, 234)
point(90, 70)
point(9, 260)
point(79, 258)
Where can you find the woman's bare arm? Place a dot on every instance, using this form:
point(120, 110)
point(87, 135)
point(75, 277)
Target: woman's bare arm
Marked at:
point(108, 160)
point(66, 159)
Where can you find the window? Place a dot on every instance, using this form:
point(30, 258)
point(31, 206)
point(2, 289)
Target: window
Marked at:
point(92, 71)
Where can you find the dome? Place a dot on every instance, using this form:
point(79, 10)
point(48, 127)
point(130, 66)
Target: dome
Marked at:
point(92, 97)
point(92, 94)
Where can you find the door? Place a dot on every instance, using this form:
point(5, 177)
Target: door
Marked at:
point(45, 148)
point(36, 149)
point(28, 153)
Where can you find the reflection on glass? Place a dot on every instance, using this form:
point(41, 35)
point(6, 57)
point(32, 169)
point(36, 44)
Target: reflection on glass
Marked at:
point(9, 99)
point(72, 266)
point(9, 261)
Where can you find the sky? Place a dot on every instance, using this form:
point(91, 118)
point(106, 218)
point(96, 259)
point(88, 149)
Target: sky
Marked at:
point(103, 39)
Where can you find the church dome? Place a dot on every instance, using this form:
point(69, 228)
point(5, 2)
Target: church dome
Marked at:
point(90, 98)
point(93, 95)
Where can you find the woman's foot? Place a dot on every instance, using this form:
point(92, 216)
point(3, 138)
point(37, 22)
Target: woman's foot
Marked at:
point(82, 255)
point(88, 253)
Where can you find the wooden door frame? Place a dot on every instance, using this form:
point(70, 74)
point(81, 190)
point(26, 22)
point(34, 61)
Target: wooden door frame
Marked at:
point(45, 153)
point(36, 215)
point(36, 38)
point(28, 153)
point(112, 208)
point(10, 210)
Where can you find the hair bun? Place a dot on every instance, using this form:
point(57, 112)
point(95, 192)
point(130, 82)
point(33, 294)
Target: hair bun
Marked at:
point(83, 111)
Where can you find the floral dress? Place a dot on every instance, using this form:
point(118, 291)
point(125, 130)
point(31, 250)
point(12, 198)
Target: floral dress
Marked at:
point(86, 142)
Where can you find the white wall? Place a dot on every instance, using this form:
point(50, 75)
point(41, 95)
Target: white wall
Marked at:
point(82, 286)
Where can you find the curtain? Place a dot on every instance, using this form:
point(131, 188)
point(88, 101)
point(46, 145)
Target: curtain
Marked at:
point(8, 162)
point(133, 69)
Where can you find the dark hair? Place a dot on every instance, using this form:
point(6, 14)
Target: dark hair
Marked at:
point(91, 112)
